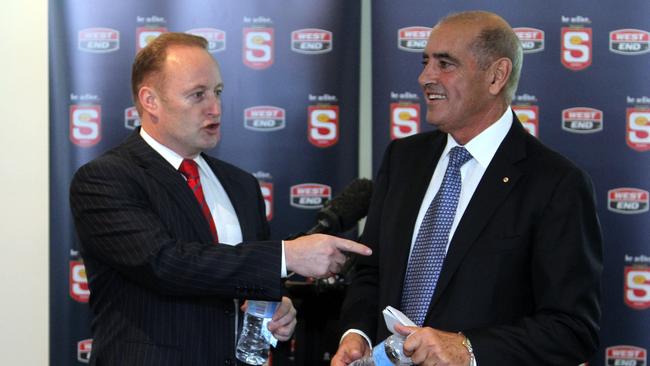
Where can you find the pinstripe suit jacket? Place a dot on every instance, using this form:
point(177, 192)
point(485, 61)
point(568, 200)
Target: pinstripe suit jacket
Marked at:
point(160, 293)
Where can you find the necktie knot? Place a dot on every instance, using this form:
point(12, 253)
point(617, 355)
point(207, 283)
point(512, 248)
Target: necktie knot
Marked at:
point(458, 156)
point(189, 169)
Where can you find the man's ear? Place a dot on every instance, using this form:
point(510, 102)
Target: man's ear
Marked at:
point(149, 100)
point(499, 72)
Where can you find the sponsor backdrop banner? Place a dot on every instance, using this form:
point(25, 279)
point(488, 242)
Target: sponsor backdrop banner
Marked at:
point(290, 110)
point(584, 91)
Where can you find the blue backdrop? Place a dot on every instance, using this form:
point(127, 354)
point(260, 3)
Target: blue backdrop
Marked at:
point(584, 92)
point(290, 111)
point(291, 106)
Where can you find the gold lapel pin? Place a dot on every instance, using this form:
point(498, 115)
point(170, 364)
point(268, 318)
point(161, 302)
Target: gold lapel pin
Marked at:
point(506, 179)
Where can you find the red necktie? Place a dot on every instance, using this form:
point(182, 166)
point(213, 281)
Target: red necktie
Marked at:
point(190, 170)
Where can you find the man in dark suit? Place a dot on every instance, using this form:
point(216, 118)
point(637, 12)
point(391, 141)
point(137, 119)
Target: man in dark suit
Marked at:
point(160, 246)
point(521, 262)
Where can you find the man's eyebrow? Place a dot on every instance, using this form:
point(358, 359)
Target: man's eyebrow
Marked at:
point(195, 87)
point(445, 55)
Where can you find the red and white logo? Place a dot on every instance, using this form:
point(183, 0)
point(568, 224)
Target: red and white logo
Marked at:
point(323, 125)
point(258, 47)
point(532, 39)
point(582, 120)
point(144, 35)
point(637, 129)
point(264, 118)
point(576, 48)
point(311, 41)
point(626, 355)
point(78, 281)
point(528, 115)
point(216, 38)
point(267, 194)
point(84, 347)
point(629, 41)
point(637, 287)
point(85, 124)
point(310, 195)
point(99, 40)
point(131, 118)
point(413, 39)
point(627, 200)
point(404, 119)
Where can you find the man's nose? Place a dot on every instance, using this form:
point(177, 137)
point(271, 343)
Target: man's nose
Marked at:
point(214, 107)
point(428, 75)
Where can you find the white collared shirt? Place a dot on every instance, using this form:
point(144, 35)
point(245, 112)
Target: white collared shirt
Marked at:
point(222, 210)
point(482, 147)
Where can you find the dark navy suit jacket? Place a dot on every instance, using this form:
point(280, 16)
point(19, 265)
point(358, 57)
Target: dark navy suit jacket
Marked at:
point(522, 275)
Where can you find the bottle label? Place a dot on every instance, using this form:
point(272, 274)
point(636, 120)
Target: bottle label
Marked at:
point(379, 355)
point(266, 333)
point(262, 309)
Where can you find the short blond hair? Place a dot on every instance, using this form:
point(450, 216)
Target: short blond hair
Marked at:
point(150, 60)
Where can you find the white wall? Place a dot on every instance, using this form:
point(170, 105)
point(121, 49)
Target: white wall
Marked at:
point(365, 94)
point(24, 217)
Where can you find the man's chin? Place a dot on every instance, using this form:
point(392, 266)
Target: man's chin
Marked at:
point(433, 120)
point(211, 143)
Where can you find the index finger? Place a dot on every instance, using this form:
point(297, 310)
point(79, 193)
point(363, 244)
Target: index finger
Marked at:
point(405, 330)
point(350, 246)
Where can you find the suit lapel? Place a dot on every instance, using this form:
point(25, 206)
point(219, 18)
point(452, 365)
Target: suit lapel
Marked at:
point(490, 193)
point(407, 204)
point(171, 180)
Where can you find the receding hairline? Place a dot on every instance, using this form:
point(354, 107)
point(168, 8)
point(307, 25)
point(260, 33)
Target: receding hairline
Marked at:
point(492, 38)
point(150, 62)
point(478, 18)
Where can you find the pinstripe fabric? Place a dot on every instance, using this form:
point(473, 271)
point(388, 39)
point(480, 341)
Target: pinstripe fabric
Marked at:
point(160, 292)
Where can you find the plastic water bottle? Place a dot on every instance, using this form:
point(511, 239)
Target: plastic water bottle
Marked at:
point(253, 344)
point(387, 353)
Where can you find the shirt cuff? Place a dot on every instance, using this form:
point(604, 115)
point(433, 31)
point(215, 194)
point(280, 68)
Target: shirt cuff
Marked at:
point(359, 332)
point(283, 268)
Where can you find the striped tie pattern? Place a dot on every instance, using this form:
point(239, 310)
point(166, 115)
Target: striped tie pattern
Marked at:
point(190, 170)
point(429, 250)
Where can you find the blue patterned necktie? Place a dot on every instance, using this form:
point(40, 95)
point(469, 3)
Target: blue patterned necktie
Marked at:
point(429, 251)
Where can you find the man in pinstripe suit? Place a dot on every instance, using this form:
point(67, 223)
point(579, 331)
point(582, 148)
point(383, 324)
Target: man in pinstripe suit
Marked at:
point(161, 291)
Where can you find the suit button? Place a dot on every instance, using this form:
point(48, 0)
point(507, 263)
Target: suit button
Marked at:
point(228, 362)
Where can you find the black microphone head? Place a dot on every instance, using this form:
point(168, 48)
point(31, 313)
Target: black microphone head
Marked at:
point(349, 206)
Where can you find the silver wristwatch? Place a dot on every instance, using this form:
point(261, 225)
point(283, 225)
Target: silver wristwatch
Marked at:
point(470, 350)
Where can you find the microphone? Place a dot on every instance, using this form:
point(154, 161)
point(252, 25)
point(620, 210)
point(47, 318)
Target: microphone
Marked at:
point(343, 211)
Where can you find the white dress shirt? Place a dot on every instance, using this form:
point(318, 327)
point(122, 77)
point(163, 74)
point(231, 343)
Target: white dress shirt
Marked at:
point(222, 211)
point(482, 147)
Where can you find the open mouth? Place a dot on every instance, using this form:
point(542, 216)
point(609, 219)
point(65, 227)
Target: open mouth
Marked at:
point(435, 96)
point(213, 127)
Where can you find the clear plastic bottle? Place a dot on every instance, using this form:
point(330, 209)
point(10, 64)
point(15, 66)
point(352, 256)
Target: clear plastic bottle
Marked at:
point(387, 353)
point(254, 341)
